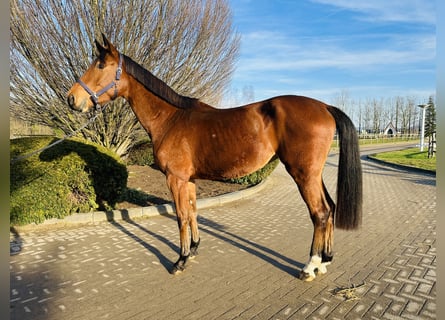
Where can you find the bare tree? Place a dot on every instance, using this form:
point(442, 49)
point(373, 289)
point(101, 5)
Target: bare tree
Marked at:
point(361, 127)
point(413, 115)
point(404, 112)
point(191, 45)
point(343, 101)
point(399, 114)
point(367, 115)
point(374, 114)
point(377, 118)
point(388, 112)
point(408, 115)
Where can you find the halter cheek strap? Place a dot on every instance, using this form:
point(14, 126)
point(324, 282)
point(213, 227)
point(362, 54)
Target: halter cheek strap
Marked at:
point(95, 95)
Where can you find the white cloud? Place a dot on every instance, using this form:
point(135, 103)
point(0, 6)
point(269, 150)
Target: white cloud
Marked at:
point(271, 51)
point(389, 10)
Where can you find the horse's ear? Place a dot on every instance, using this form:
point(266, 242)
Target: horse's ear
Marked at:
point(107, 45)
point(105, 40)
point(99, 46)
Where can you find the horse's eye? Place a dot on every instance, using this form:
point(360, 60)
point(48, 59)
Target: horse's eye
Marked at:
point(101, 65)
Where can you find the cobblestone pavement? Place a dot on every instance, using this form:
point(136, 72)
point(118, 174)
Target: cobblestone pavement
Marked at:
point(251, 252)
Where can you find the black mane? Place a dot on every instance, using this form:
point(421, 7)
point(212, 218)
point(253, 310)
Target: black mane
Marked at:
point(157, 86)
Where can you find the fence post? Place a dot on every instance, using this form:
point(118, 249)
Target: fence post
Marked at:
point(432, 145)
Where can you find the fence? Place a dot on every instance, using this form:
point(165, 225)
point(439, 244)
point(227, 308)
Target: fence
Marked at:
point(370, 138)
point(18, 128)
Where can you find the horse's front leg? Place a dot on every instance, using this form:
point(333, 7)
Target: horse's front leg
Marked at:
point(195, 240)
point(180, 192)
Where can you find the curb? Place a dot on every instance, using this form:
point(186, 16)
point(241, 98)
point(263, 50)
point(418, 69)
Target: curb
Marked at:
point(143, 212)
point(399, 166)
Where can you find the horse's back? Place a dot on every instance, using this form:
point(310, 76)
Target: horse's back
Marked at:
point(298, 116)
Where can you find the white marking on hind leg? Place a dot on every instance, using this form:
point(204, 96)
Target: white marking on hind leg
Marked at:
point(322, 269)
point(314, 263)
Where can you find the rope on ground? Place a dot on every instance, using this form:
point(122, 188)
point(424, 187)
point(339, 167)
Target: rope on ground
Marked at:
point(347, 293)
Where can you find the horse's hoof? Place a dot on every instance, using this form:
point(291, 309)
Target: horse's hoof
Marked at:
point(194, 249)
point(193, 253)
point(321, 269)
point(177, 270)
point(305, 276)
point(180, 265)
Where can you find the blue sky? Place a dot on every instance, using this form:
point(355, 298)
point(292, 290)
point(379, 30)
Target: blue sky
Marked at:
point(320, 48)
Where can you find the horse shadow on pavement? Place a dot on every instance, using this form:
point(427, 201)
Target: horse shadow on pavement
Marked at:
point(213, 229)
point(268, 255)
point(166, 263)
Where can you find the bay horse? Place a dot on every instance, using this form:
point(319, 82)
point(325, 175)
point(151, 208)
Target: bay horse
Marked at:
point(192, 140)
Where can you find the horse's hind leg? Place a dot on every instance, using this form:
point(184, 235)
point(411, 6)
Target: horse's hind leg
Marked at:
point(328, 254)
point(321, 209)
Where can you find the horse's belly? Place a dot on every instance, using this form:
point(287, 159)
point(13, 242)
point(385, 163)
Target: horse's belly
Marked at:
point(240, 165)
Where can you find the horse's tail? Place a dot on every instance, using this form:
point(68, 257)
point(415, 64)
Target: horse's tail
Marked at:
point(348, 212)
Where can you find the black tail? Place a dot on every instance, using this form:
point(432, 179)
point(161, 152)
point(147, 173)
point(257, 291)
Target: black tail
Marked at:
point(348, 212)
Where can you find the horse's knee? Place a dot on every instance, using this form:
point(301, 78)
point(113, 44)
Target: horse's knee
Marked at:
point(182, 223)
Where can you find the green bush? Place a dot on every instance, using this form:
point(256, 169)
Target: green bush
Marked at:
point(72, 176)
point(257, 176)
point(141, 154)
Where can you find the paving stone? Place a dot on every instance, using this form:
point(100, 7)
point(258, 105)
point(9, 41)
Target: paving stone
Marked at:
point(251, 252)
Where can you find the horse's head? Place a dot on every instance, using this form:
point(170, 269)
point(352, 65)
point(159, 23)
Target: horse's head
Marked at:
point(101, 82)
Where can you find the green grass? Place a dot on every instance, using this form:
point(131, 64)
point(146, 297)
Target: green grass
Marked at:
point(411, 157)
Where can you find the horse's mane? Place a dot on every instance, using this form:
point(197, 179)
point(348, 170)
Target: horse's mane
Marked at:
point(157, 86)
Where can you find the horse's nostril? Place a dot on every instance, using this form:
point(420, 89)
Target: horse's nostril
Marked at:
point(70, 101)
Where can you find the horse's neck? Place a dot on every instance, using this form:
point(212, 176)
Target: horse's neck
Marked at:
point(152, 112)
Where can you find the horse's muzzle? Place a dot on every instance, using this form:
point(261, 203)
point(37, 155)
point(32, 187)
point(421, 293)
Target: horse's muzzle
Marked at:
point(73, 105)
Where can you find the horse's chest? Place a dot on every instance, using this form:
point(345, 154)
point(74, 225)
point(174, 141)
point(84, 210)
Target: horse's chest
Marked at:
point(173, 155)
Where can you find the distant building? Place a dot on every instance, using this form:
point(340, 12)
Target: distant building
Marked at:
point(390, 130)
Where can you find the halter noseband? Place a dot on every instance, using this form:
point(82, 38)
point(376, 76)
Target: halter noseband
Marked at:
point(95, 95)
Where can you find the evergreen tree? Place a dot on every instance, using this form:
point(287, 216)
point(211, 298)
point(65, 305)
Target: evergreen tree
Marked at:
point(430, 118)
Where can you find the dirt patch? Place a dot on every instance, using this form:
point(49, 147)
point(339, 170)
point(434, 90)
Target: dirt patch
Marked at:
point(147, 186)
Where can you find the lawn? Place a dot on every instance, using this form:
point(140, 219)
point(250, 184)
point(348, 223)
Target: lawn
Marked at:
point(411, 157)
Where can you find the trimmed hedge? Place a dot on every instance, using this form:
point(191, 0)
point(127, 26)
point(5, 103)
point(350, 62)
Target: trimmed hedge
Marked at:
point(72, 176)
point(141, 154)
